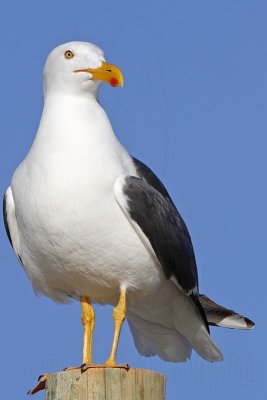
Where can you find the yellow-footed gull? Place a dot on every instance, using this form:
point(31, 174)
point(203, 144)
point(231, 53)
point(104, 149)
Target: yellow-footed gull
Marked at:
point(89, 222)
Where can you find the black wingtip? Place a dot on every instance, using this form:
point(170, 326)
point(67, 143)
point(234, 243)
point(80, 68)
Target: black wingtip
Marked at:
point(250, 324)
point(196, 301)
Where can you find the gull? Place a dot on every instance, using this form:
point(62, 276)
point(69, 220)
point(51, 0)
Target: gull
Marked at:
point(90, 222)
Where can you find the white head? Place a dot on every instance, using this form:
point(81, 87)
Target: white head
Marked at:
point(78, 68)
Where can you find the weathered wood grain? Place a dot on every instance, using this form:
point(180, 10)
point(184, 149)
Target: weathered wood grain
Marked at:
point(106, 384)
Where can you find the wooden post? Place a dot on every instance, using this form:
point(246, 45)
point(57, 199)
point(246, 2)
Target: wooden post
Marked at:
point(106, 384)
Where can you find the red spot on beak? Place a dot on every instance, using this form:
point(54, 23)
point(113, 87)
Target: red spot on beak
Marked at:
point(114, 82)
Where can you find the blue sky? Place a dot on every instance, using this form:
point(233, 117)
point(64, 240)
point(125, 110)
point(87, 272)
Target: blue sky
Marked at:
point(194, 109)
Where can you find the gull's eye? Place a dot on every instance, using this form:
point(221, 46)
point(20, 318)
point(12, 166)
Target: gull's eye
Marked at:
point(68, 54)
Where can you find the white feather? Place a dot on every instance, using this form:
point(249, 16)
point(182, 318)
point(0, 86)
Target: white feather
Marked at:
point(172, 309)
point(152, 339)
point(233, 321)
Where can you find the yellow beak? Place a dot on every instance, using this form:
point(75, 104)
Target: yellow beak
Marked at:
point(107, 72)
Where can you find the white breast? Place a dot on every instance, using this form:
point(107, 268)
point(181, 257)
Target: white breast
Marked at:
point(75, 240)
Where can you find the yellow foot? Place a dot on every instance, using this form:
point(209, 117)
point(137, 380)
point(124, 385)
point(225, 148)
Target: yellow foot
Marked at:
point(106, 365)
point(110, 363)
point(84, 367)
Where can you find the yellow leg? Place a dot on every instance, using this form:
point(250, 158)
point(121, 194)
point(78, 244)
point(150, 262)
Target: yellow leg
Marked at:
point(88, 321)
point(119, 314)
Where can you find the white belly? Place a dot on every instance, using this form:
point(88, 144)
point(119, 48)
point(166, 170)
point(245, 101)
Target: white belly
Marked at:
point(75, 241)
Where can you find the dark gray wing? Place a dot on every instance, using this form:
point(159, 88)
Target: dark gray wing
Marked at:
point(150, 177)
point(166, 231)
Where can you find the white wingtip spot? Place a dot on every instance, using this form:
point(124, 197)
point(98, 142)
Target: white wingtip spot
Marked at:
point(234, 321)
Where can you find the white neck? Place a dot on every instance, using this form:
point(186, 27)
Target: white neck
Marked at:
point(72, 115)
point(75, 140)
point(73, 126)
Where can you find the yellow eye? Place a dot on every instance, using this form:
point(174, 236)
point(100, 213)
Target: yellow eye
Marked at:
point(68, 54)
